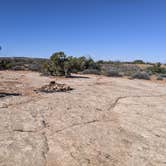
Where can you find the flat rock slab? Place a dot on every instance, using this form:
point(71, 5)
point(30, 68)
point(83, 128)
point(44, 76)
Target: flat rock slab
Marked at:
point(102, 122)
point(22, 149)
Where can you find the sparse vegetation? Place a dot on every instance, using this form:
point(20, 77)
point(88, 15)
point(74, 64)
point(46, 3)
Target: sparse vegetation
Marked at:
point(63, 65)
point(91, 71)
point(157, 69)
point(22, 63)
point(120, 69)
point(112, 73)
point(5, 64)
point(60, 64)
point(163, 75)
point(159, 77)
point(141, 75)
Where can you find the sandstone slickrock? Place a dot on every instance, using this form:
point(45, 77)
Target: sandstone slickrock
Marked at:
point(103, 122)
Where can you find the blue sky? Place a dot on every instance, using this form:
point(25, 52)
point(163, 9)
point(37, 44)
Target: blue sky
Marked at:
point(104, 29)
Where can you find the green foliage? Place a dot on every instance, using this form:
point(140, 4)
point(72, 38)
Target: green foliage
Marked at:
point(58, 65)
point(61, 65)
point(156, 68)
point(82, 63)
point(141, 75)
point(5, 64)
point(159, 77)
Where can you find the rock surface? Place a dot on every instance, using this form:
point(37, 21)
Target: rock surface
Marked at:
point(102, 122)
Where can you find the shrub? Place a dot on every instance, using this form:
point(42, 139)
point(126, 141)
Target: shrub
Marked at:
point(150, 72)
point(141, 75)
point(163, 75)
point(159, 77)
point(156, 68)
point(18, 68)
point(112, 73)
point(124, 69)
point(5, 64)
point(63, 65)
point(91, 71)
point(82, 63)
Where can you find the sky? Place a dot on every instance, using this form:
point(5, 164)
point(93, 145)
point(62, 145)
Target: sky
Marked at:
point(122, 30)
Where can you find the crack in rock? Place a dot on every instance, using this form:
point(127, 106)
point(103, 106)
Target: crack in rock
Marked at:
point(112, 106)
point(84, 123)
point(21, 130)
point(41, 132)
point(46, 147)
point(78, 124)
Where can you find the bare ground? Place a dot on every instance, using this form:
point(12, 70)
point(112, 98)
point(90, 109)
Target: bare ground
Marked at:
point(102, 122)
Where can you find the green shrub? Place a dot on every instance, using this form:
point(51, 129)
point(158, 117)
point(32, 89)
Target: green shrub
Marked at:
point(159, 77)
point(5, 64)
point(141, 75)
point(63, 65)
point(156, 68)
point(163, 75)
